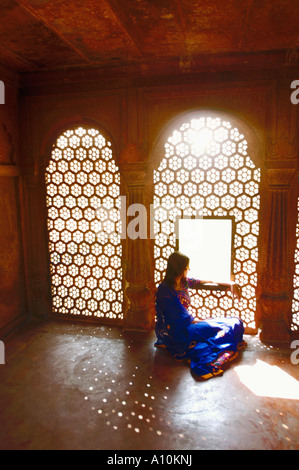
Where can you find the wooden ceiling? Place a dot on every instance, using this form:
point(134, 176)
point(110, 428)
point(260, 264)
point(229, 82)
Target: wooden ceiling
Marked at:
point(43, 35)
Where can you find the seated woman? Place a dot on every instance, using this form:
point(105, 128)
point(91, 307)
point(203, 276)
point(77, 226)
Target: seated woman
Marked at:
point(207, 344)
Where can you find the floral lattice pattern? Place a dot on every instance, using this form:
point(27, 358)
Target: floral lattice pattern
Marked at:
point(206, 171)
point(83, 189)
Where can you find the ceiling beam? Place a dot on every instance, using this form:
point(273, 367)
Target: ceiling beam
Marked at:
point(245, 24)
point(127, 24)
point(28, 8)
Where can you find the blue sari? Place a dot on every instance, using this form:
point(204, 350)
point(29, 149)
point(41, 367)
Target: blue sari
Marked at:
point(207, 345)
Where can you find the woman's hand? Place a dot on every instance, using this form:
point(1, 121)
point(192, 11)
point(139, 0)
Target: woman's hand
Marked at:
point(235, 290)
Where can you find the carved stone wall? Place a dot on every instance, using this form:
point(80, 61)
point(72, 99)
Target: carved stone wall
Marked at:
point(136, 116)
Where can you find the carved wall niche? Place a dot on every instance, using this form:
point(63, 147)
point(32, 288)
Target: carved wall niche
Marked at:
point(282, 148)
point(12, 292)
point(211, 183)
point(45, 118)
point(13, 298)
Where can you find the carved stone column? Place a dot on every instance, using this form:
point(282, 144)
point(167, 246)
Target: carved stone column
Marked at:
point(275, 301)
point(138, 315)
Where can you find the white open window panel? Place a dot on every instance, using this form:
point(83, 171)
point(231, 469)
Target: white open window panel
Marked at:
point(209, 243)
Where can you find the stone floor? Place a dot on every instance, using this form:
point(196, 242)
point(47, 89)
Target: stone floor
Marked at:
point(72, 386)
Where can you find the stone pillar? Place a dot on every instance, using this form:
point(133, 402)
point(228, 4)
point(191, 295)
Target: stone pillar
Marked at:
point(138, 315)
point(275, 301)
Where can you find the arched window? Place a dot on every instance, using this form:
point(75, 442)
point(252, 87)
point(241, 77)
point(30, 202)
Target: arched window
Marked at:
point(206, 171)
point(83, 202)
point(295, 302)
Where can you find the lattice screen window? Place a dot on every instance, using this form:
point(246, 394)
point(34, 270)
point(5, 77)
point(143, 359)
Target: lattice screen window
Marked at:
point(83, 202)
point(295, 302)
point(206, 171)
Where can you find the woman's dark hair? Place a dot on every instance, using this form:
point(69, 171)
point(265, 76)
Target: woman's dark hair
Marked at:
point(177, 263)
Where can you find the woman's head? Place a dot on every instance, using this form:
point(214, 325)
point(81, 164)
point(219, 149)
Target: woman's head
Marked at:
point(176, 267)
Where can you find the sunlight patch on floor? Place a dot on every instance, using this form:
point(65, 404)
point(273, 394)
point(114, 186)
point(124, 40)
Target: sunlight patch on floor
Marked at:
point(265, 380)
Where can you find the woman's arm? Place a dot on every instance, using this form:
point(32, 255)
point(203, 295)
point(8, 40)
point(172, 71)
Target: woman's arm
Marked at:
point(200, 284)
point(193, 283)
